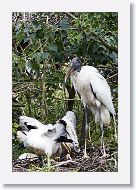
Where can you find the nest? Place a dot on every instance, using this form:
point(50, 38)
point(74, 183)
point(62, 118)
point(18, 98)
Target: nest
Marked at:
point(94, 163)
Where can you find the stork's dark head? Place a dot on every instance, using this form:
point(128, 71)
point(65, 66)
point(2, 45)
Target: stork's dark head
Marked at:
point(75, 65)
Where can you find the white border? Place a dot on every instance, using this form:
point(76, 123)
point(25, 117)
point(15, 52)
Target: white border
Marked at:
point(123, 174)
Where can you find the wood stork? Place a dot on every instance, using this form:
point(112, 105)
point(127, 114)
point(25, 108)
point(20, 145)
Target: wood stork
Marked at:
point(31, 127)
point(95, 93)
point(44, 140)
point(70, 119)
point(28, 123)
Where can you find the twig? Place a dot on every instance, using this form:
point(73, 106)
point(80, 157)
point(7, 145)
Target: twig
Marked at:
point(65, 99)
point(114, 153)
point(15, 105)
point(96, 139)
point(69, 14)
point(65, 162)
point(113, 77)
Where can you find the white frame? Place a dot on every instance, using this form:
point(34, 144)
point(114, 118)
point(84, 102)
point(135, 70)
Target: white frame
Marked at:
point(123, 174)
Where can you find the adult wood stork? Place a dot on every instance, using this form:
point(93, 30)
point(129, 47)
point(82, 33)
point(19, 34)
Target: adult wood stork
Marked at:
point(45, 140)
point(95, 93)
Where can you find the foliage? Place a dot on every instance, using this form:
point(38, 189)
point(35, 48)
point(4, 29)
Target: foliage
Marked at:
point(42, 45)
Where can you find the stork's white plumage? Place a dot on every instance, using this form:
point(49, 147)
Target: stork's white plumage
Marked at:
point(95, 93)
point(27, 123)
point(70, 119)
point(70, 116)
point(45, 140)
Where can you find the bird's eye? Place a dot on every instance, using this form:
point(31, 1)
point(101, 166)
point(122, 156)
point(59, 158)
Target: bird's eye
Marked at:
point(49, 130)
point(78, 61)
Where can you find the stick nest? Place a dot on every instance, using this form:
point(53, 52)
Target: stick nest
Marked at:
point(94, 163)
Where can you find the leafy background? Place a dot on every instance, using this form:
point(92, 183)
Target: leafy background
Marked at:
point(42, 44)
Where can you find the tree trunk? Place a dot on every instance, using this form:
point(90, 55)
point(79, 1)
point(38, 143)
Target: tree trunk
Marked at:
point(82, 137)
point(71, 92)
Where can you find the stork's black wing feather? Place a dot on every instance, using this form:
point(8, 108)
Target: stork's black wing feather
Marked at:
point(29, 127)
point(63, 122)
point(93, 91)
point(63, 139)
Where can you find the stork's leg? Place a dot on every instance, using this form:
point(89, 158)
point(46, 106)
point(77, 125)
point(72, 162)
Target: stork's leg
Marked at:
point(102, 139)
point(115, 127)
point(48, 161)
point(43, 161)
point(86, 130)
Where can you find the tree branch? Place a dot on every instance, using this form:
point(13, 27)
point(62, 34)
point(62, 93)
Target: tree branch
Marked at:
point(69, 14)
point(110, 47)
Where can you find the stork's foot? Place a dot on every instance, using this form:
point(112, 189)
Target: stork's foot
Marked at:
point(57, 159)
point(103, 158)
point(68, 157)
point(105, 155)
point(85, 155)
point(48, 163)
point(103, 150)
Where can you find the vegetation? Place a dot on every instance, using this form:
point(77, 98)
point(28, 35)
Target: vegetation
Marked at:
point(43, 43)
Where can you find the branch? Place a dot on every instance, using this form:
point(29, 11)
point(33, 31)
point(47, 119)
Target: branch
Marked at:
point(113, 78)
point(110, 47)
point(17, 105)
point(65, 162)
point(69, 14)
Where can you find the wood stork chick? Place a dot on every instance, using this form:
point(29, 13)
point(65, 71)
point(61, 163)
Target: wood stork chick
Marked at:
point(95, 93)
point(28, 123)
point(70, 119)
point(46, 140)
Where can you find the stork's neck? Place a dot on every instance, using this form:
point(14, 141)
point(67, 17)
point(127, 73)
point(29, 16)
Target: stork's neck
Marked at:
point(76, 72)
point(79, 68)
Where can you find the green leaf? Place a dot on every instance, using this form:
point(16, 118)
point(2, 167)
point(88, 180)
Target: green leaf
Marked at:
point(35, 66)
point(64, 24)
point(53, 48)
point(40, 33)
point(28, 64)
point(79, 37)
point(20, 35)
point(113, 55)
point(45, 55)
point(35, 23)
point(39, 56)
point(21, 65)
point(60, 45)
